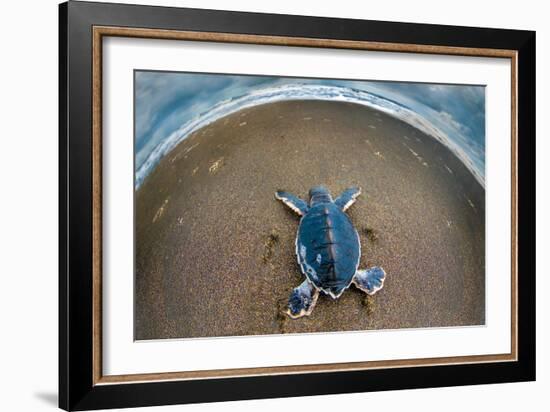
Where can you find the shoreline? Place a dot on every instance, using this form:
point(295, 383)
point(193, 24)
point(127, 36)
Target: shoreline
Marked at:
point(419, 123)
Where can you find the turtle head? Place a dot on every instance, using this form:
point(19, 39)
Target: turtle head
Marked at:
point(319, 194)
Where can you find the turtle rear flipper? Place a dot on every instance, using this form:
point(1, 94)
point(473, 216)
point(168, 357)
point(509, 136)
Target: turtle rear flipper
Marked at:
point(347, 198)
point(302, 300)
point(371, 280)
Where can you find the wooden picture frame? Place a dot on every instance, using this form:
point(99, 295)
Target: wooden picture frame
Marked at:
point(82, 384)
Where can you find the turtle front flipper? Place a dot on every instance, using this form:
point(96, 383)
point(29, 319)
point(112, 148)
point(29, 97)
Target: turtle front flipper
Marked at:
point(347, 198)
point(302, 300)
point(371, 280)
point(293, 202)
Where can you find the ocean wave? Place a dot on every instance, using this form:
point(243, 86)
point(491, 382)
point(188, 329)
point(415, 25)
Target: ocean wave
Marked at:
point(307, 92)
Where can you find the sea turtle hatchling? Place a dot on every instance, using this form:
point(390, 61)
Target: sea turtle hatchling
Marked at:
point(328, 250)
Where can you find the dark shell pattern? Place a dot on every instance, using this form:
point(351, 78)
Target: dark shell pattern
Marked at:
point(328, 248)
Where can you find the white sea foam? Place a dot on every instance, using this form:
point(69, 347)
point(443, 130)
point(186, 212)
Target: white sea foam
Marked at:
point(308, 92)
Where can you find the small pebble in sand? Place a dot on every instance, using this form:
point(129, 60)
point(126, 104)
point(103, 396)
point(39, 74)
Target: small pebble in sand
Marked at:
point(242, 124)
point(195, 170)
point(160, 211)
point(471, 203)
point(190, 148)
point(215, 166)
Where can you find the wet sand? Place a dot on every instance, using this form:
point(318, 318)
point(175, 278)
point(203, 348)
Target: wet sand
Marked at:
point(215, 249)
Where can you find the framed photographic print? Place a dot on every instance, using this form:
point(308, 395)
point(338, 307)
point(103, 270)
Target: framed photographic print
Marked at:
point(257, 205)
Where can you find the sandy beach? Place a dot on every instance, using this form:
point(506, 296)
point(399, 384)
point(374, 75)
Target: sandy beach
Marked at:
point(215, 249)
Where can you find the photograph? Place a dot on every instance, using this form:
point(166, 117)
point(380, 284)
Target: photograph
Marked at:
point(268, 205)
point(285, 202)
